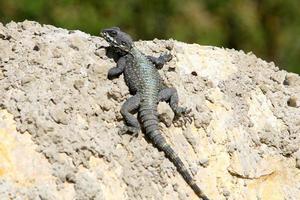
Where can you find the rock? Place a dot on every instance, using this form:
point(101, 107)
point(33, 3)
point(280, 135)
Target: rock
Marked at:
point(294, 101)
point(242, 144)
point(297, 155)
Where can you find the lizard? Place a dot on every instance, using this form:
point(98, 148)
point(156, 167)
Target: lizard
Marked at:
point(147, 89)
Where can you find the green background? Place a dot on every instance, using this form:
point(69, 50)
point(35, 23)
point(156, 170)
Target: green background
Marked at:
point(268, 28)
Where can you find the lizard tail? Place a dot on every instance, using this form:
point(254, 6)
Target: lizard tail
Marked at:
point(149, 120)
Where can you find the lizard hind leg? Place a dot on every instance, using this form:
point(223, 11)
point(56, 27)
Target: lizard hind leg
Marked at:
point(170, 96)
point(129, 108)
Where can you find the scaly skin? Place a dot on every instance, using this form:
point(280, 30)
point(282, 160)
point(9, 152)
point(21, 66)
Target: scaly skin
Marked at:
point(146, 86)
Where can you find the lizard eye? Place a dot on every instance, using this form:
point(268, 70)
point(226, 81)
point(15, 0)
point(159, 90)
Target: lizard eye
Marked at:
point(123, 43)
point(113, 33)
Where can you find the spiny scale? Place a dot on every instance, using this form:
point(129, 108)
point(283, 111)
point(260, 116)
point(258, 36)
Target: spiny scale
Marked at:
point(146, 86)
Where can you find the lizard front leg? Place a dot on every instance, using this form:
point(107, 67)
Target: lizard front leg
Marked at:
point(115, 72)
point(161, 60)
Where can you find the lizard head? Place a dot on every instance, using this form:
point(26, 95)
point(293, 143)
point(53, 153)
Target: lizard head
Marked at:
point(116, 38)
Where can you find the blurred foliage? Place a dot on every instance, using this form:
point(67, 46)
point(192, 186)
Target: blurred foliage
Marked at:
point(269, 28)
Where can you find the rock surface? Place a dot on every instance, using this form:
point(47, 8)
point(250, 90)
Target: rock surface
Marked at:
point(59, 122)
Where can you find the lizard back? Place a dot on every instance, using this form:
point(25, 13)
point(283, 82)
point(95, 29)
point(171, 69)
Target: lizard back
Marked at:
point(146, 86)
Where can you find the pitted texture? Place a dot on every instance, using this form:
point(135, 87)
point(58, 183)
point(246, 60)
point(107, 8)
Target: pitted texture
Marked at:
point(242, 144)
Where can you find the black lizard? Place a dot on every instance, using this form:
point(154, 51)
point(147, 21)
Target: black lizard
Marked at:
point(146, 86)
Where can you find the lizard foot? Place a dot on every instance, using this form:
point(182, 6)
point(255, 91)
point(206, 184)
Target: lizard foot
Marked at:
point(167, 57)
point(134, 131)
point(182, 116)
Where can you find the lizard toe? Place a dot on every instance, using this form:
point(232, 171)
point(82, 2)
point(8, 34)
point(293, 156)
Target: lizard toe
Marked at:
point(134, 131)
point(183, 116)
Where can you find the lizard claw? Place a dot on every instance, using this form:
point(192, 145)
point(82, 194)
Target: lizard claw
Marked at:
point(167, 57)
point(183, 116)
point(133, 131)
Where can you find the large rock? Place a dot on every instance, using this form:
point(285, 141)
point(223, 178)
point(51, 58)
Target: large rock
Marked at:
point(60, 119)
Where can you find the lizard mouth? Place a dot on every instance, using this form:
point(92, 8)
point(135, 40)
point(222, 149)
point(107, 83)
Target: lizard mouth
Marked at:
point(112, 41)
point(104, 35)
point(108, 38)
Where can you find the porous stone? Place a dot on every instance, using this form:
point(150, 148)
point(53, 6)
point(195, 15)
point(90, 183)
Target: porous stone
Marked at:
point(54, 90)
